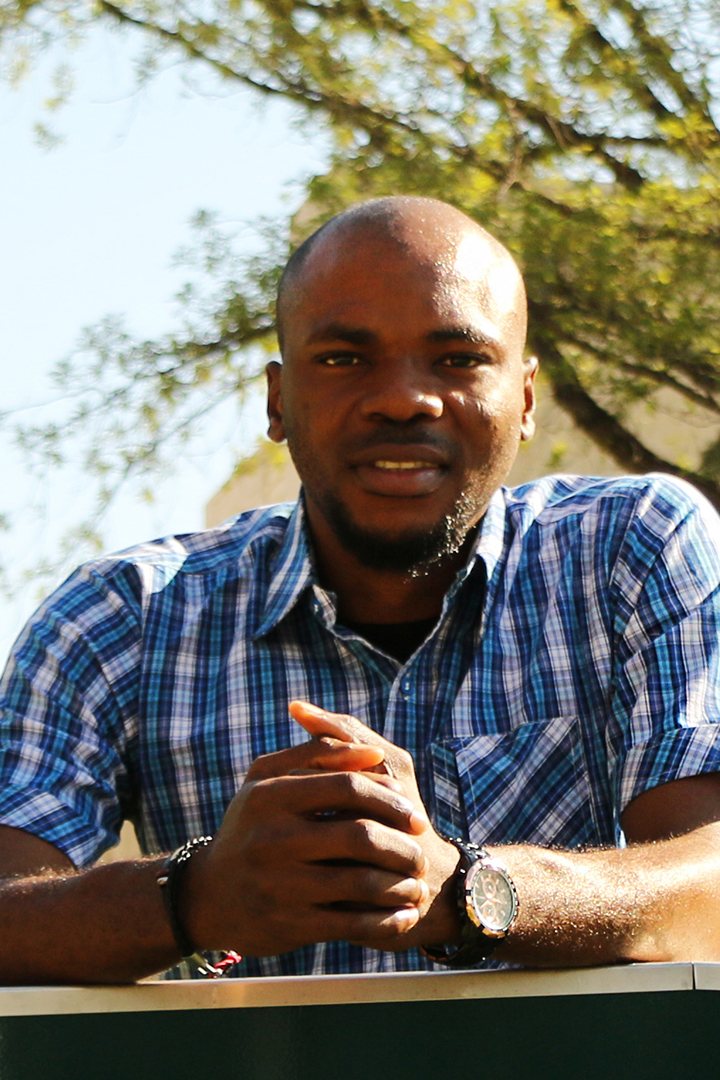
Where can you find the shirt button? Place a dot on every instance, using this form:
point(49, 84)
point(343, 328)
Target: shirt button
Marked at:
point(406, 687)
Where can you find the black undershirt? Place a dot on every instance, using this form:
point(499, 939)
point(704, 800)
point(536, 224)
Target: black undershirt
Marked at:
point(399, 640)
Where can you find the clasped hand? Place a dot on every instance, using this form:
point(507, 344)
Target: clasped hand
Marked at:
point(325, 841)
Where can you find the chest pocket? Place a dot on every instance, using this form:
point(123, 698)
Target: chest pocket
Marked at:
point(528, 785)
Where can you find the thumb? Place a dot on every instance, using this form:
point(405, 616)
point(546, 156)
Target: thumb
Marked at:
point(392, 760)
point(319, 722)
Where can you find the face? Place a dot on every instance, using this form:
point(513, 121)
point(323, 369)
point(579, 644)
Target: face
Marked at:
point(403, 393)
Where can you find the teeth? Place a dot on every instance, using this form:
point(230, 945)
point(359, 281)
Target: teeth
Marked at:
point(403, 464)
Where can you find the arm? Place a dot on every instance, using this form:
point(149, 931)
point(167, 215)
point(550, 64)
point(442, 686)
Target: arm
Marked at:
point(274, 878)
point(655, 900)
point(59, 925)
point(262, 887)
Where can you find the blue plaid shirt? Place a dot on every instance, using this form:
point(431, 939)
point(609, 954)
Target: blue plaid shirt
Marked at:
point(575, 665)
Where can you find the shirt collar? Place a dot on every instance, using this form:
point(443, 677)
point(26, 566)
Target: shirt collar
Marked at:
point(292, 571)
point(491, 539)
point(487, 549)
point(293, 567)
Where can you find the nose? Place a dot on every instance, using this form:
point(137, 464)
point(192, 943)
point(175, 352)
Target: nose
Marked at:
point(400, 392)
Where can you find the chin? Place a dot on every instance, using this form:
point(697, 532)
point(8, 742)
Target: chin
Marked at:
point(413, 550)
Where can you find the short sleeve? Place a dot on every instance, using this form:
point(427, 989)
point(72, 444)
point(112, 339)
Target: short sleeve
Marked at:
point(666, 690)
point(68, 715)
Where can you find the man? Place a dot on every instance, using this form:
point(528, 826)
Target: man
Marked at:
point(533, 670)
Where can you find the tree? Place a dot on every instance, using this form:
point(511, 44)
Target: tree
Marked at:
point(582, 132)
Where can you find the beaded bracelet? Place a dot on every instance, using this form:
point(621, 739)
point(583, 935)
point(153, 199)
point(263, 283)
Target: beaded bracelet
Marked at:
point(169, 878)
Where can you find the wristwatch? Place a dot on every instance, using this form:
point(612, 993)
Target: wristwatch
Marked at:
point(488, 904)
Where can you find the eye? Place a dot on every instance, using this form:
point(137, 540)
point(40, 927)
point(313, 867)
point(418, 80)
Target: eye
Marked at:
point(340, 359)
point(464, 360)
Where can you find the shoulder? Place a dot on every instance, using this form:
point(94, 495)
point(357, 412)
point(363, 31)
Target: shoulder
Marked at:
point(622, 526)
point(110, 595)
point(652, 534)
point(660, 502)
point(207, 550)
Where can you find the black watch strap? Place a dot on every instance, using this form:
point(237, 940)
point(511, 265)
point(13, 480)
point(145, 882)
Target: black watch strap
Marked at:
point(475, 946)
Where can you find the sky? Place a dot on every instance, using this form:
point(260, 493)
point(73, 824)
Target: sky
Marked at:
point(90, 228)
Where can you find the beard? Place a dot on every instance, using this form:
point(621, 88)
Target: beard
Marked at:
point(411, 552)
point(414, 552)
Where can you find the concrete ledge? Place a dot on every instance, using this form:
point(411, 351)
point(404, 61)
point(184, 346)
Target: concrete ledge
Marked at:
point(351, 989)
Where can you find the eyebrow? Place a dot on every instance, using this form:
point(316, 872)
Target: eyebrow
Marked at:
point(339, 332)
point(360, 336)
point(471, 334)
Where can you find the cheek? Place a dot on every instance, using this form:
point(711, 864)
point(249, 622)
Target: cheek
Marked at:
point(492, 430)
point(301, 418)
point(492, 415)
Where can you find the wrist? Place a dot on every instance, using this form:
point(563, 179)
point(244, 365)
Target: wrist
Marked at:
point(178, 880)
point(487, 905)
point(195, 905)
point(441, 923)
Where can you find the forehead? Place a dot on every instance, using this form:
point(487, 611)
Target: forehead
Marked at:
point(378, 279)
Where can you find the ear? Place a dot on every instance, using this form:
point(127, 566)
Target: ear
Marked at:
point(527, 425)
point(276, 429)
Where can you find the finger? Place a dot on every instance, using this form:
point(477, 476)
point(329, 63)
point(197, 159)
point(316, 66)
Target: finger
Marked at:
point(369, 928)
point(376, 778)
point(371, 843)
point(362, 887)
point(330, 754)
point(352, 794)
point(319, 722)
point(339, 756)
point(292, 842)
point(290, 926)
point(376, 930)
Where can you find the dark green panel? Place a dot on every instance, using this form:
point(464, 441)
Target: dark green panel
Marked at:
point(634, 1036)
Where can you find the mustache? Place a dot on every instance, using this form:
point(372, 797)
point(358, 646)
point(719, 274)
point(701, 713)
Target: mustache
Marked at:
point(415, 436)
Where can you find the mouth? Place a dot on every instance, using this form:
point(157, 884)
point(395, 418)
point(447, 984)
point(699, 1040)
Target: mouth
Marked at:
point(390, 465)
point(405, 478)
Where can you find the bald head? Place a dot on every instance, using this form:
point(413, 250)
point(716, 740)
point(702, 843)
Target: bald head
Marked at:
point(432, 233)
point(404, 391)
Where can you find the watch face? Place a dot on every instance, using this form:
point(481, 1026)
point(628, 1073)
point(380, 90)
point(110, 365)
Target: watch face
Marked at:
point(493, 903)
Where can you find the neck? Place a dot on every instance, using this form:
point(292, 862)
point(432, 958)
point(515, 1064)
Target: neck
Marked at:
point(368, 595)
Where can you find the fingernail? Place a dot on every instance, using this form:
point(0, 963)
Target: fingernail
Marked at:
point(310, 708)
point(418, 820)
point(407, 917)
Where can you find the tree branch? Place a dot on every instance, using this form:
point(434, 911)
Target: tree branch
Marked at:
point(605, 430)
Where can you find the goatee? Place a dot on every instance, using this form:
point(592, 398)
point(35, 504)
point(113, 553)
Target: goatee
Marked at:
point(411, 552)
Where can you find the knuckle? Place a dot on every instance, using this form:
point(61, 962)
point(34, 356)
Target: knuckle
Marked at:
point(363, 838)
point(342, 784)
point(403, 760)
point(259, 767)
point(258, 792)
point(370, 834)
point(351, 782)
point(353, 786)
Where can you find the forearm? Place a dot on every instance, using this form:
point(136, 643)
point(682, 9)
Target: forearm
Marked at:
point(105, 925)
point(650, 902)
